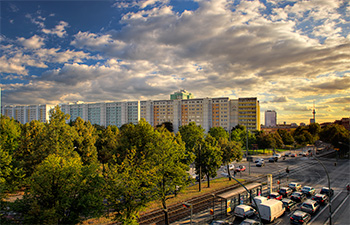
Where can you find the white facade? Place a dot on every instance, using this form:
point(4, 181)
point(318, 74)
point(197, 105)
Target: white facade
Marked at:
point(270, 118)
point(28, 113)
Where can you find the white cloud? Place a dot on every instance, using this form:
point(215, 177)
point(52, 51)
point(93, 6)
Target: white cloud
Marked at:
point(33, 43)
point(59, 29)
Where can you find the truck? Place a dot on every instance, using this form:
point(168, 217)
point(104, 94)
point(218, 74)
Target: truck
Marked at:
point(271, 210)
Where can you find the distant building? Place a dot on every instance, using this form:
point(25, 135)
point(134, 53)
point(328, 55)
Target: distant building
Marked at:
point(180, 110)
point(28, 113)
point(182, 94)
point(270, 118)
point(284, 126)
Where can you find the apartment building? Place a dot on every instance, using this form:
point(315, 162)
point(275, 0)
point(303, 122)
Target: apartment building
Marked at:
point(26, 114)
point(270, 118)
point(180, 110)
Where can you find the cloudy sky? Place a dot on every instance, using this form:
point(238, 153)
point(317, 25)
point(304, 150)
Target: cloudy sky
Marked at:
point(289, 54)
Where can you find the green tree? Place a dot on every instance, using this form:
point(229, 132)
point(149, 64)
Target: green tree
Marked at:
point(314, 129)
point(303, 136)
point(84, 142)
point(129, 186)
point(107, 144)
point(10, 131)
point(286, 136)
point(209, 158)
point(63, 191)
point(338, 136)
point(278, 140)
point(231, 151)
point(29, 151)
point(192, 135)
point(5, 173)
point(168, 125)
point(171, 171)
point(218, 132)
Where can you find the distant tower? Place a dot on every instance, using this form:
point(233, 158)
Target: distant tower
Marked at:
point(313, 120)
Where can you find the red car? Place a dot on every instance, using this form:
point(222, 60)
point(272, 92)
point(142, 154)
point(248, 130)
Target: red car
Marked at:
point(274, 195)
point(240, 169)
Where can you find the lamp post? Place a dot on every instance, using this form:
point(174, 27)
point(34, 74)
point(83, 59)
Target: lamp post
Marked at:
point(257, 208)
point(329, 186)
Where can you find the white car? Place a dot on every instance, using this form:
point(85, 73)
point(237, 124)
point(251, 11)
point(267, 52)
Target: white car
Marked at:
point(258, 160)
point(277, 155)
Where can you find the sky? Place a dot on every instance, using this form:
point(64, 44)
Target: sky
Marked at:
point(291, 55)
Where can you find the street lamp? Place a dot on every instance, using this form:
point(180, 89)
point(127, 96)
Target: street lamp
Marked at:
point(257, 208)
point(329, 186)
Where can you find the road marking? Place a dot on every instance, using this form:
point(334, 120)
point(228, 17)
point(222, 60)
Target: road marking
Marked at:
point(319, 213)
point(338, 208)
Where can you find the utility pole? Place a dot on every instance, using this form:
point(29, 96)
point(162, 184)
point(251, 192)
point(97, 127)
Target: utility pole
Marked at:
point(200, 169)
point(247, 148)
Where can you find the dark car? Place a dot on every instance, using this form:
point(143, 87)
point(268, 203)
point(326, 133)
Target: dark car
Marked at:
point(298, 196)
point(300, 217)
point(321, 199)
point(274, 195)
point(273, 159)
point(309, 191)
point(285, 191)
point(310, 206)
point(326, 191)
point(289, 204)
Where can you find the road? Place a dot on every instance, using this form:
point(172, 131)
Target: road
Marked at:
point(308, 171)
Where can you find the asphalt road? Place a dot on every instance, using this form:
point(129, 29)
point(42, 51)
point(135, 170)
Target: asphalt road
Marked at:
point(308, 171)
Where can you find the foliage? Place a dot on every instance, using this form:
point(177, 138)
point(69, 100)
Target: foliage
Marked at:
point(338, 136)
point(107, 144)
point(231, 151)
point(218, 132)
point(129, 187)
point(209, 158)
point(192, 135)
point(286, 136)
point(62, 191)
point(167, 125)
point(84, 142)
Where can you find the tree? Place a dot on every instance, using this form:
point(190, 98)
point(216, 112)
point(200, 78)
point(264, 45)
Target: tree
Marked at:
point(129, 187)
point(171, 171)
point(29, 153)
point(192, 135)
point(10, 131)
point(338, 136)
point(278, 140)
point(5, 172)
point(84, 142)
point(218, 132)
point(303, 137)
point(286, 136)
point(168, 125)
point(107, 144)
point(231, 151)
point(63, 191)
point(209, 158)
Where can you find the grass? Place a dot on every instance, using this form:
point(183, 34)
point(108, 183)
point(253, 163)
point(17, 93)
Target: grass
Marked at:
point(186, 194)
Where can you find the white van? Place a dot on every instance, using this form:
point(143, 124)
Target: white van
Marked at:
point(271, 210)
point(258, 200)
point(244, 211)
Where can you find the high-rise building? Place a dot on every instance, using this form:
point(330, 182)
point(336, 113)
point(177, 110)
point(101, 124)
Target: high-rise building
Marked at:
point(270, 118)
point(26, 114)
point(207, 112)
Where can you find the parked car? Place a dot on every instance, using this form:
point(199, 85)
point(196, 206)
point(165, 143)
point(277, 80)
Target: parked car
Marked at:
point(274, 195)
point(310, 206)
point(309, 191)
point(298, 196)
point(244, 211)
point(231, 167)
point(320, 198)
point(285, 191)
point(273, 159)
point(289, 204)
point(327, 191)
point(249, 222)
point(293, 155)
point(278, 156)
point(300, 217)
point(260, 164)
point(294, 186)
point(304, 154)
point(240, 168)
point(258, 160)
point(287, 154)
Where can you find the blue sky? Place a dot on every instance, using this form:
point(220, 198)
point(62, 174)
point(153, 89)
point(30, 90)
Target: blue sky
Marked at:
point(289, 54)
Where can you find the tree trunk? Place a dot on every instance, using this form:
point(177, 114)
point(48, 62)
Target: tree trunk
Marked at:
point(166, 215)
point(228, 172)
point(208, 179)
